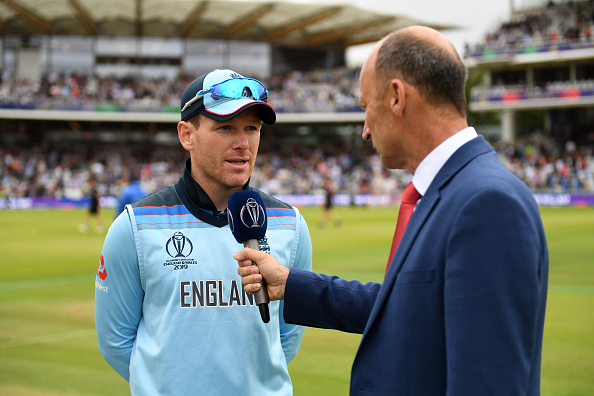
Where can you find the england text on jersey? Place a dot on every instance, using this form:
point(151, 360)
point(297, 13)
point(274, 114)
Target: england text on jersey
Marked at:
point(211, 293)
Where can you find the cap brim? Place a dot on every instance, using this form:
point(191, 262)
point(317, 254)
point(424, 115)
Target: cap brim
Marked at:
point(231, 109)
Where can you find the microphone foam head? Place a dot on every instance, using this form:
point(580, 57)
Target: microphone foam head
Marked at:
point(247, 215)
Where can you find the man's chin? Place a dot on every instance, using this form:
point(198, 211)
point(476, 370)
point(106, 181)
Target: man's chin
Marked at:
point(387, 162)
point(236, 183)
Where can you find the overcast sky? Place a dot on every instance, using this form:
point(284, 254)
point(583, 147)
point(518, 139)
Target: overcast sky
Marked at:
point(475, 17)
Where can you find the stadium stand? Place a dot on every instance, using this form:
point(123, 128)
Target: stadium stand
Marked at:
point(542, 59)
point(56, 158)
point(556, 26)
point(538, 77)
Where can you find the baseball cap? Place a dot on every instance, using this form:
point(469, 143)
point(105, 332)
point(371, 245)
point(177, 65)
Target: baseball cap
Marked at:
point(223, 94)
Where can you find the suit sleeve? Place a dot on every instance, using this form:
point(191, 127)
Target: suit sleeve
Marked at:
point(328, 302)
point(291, 334)
point(494, 279)
point(118, 300)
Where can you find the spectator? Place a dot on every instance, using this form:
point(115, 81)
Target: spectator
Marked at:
point(132, 192)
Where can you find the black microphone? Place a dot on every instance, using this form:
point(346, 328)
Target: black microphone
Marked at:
point(247, 220)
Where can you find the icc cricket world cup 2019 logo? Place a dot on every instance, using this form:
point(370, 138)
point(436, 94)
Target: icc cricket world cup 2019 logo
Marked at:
point(179, 245)
point(252, 214)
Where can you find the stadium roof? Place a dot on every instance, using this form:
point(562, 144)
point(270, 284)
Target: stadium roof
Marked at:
point(277, 22)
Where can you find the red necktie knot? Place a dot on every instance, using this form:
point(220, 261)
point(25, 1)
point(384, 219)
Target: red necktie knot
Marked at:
point(411, 195)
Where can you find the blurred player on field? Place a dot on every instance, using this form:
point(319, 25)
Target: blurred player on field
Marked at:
point(94, 210)
point(327, 211)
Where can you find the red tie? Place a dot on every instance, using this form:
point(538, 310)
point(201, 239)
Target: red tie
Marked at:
point(407, 205)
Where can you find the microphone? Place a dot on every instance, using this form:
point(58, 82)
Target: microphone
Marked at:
point(247, 220)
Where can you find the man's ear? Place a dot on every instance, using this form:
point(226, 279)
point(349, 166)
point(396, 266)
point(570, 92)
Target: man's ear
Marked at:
point(184, 133)
point(396, 94)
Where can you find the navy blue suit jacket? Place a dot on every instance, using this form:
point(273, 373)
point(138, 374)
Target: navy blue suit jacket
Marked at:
point(461, 310)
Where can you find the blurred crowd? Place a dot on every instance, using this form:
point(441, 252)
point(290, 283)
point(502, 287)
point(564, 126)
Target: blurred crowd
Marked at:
point(297, 170)
point(322, 90)
point(501, 90)
point(543, 165)
point(568, 23)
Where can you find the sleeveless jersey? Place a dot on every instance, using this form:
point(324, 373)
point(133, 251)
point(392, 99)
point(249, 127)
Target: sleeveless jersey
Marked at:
point(171, 313)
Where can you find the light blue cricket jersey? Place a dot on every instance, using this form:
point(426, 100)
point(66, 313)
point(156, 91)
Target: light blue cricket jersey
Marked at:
point(171, 314)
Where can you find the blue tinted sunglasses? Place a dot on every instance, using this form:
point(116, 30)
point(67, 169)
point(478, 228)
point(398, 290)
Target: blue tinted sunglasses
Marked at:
point(233, 88)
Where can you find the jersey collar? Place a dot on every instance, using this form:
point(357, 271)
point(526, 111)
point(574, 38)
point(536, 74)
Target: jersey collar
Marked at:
point(197, 200)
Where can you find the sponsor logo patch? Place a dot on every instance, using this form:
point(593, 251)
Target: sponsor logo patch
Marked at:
point(264, 246)
point(101, 274)
point(102, 271)
point(179, 247)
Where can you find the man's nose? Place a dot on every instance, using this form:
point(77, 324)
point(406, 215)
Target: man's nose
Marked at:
point(241, 140)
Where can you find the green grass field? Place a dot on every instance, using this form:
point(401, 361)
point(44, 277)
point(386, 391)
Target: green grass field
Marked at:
point(47, 337)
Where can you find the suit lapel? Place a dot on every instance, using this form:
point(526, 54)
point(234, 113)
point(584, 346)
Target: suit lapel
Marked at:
point(457, 161)
point(419, 217)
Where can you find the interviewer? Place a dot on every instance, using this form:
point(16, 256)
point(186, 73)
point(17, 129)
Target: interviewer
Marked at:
point(461, 310)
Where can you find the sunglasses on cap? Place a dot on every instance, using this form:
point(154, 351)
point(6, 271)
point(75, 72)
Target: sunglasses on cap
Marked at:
point(233, 88)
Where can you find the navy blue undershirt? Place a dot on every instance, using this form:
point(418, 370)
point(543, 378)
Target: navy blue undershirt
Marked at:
point(197, 200)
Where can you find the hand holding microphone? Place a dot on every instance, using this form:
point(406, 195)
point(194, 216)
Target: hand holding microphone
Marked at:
point(247, 220)
point(268, 268)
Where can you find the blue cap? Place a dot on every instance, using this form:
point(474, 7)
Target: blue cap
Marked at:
point(221, 110)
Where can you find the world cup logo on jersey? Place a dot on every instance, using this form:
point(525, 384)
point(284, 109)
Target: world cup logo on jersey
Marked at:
point(252, 214)
point(179, 245)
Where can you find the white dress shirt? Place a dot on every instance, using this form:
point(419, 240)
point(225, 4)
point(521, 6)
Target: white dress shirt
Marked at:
point(434, 161)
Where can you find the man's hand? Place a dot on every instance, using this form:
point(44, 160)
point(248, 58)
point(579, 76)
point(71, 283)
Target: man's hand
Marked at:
point(274, 273)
